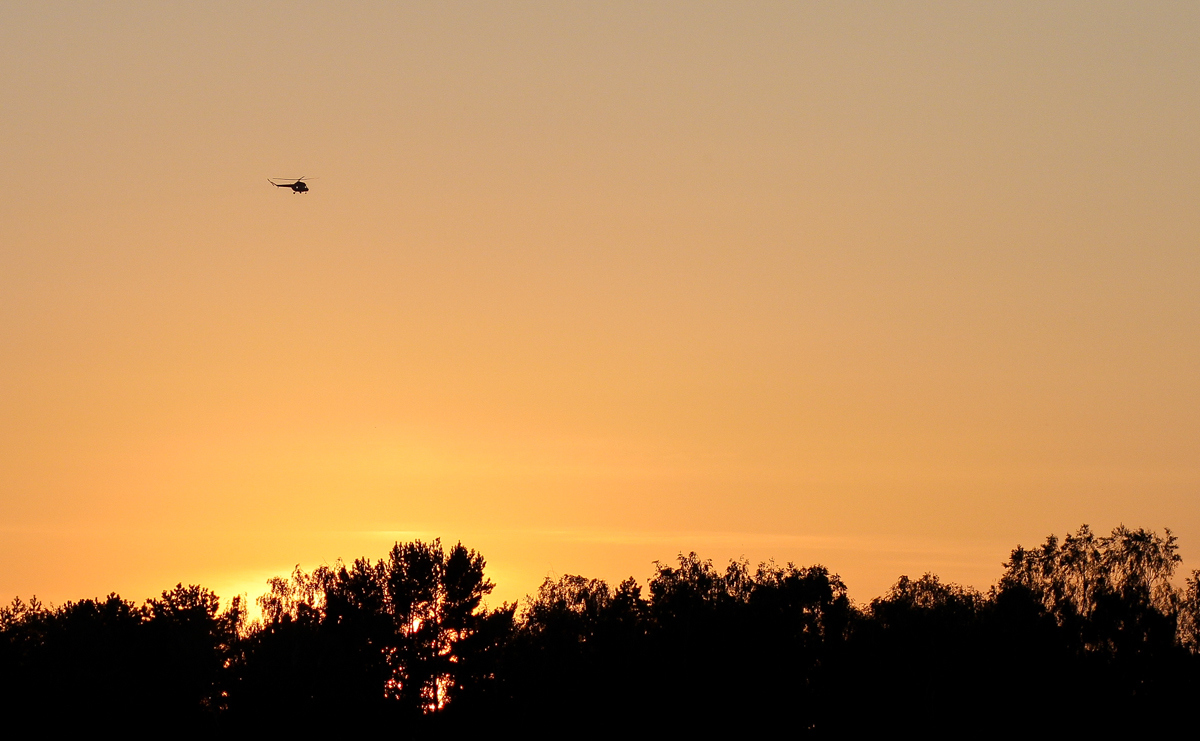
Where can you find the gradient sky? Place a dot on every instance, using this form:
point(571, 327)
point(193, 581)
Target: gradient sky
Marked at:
point(888, 287)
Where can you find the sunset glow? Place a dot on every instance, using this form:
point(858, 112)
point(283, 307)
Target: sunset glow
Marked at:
point(886, 287)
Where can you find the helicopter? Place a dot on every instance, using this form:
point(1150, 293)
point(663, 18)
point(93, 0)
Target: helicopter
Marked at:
point(297, 185)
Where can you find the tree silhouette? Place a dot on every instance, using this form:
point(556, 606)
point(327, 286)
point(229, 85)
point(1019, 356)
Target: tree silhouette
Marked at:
point(1117, 615)
point(109, 660)
point(1114, 592)
point(377, 642)
point(1189, 614)
point(1087, 634)
point(578, 652)
point(192, 639)
point(435, 602)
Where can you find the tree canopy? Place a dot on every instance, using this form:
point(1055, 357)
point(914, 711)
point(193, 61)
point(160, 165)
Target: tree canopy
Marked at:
point(1095, 624)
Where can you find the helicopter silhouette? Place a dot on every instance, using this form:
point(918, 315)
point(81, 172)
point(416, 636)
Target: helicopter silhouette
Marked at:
point(297, 185)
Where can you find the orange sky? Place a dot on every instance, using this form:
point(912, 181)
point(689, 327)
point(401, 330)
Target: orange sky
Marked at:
point(891, 288)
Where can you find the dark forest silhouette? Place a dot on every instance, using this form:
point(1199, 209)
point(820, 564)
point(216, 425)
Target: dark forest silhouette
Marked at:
point(1083, 633)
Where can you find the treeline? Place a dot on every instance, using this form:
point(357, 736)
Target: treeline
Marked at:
point(1087, 632)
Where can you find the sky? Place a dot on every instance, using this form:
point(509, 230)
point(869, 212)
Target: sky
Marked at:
point(890, 287)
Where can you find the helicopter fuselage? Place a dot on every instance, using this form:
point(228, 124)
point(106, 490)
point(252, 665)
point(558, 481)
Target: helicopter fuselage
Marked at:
point(297, 187)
